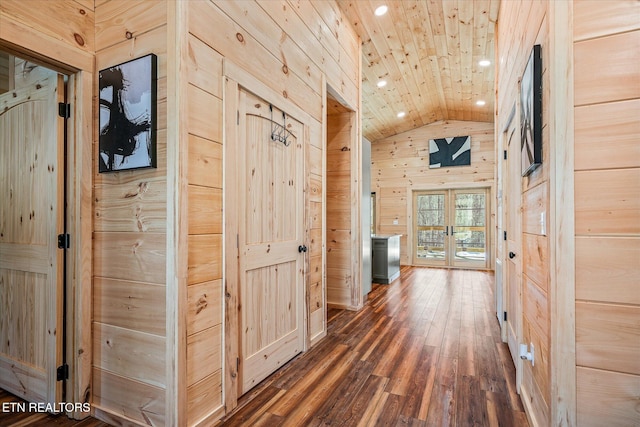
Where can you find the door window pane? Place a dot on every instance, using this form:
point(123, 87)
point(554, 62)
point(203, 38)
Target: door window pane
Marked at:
point(430, 220)
point(470, 230)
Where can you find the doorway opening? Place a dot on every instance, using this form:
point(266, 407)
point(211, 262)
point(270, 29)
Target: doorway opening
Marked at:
point(343, 250)
point(33, 230)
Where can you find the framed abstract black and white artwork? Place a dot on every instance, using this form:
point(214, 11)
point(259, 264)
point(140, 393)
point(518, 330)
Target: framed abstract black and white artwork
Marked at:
point(128, 98)
point(446, 152)
point(531, 113)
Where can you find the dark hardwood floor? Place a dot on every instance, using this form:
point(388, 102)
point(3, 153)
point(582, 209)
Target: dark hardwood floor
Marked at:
point(424, 351)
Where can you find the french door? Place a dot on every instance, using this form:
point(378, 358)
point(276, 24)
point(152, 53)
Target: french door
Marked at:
point(450, 228)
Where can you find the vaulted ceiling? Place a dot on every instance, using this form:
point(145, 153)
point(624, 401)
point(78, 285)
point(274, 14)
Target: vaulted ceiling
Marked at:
point(428, 52)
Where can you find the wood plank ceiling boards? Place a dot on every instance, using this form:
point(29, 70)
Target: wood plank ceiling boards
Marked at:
point(428, 52)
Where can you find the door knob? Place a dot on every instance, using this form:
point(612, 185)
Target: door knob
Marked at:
point(512, 255)
point(302, 248)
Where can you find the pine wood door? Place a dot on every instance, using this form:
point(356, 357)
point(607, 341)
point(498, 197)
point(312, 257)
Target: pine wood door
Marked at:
point(270, 239)
point(31, 217)
point(512, 223)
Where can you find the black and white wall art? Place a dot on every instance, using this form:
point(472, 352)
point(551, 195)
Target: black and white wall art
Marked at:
point(128, 115)
point(445, 152)
point(531, 113)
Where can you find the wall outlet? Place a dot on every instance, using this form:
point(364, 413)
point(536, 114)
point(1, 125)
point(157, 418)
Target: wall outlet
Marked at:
point(543, 224)
point(533, 354)
point(528, 353)
point(395, 222)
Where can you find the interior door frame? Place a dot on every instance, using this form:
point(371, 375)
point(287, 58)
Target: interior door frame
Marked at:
point(236, 78)
point(448, 193)
point(78, 66)
point(36, 381)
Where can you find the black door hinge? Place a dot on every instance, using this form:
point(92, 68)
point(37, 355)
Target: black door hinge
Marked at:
point(62, 373)
point(63, 241)
point(505, 154)
point(64, 110)
point(505, 316)
point(505, 235)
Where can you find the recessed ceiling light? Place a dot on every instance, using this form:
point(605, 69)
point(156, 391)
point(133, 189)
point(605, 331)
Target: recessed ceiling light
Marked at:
point(382, 83)
point(484, 63)
point(381, 10)
point(480, 103)
point(401, 114)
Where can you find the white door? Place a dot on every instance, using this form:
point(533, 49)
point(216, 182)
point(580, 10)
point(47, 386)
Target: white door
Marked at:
point(271, 247)
point(31, 217)
point(511, 262)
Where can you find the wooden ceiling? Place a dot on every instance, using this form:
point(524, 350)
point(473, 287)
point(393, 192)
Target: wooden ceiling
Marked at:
point(428, 52)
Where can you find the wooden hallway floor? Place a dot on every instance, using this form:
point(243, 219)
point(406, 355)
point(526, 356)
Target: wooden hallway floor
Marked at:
point(424, 351)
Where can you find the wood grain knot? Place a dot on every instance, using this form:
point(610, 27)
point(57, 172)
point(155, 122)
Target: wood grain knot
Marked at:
point(79, 39)
point(128, 35)
point(82, 12)
point(202, 304)
point(285, 69)
point(240, 37)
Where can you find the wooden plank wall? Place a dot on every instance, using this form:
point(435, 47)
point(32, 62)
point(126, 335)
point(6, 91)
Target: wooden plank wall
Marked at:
point(521, 24)
point(607, 211)
point(400, 165)
point(130, 230)
point(340, 277)
point(204, 278)
point(65, 30)
point(319, 46)
point(294, 48)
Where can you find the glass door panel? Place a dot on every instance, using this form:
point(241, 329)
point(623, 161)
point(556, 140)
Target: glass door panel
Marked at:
point(470, 228)
point(429, 230)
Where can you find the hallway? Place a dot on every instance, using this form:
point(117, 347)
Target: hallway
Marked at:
point(425, 350)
